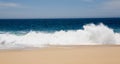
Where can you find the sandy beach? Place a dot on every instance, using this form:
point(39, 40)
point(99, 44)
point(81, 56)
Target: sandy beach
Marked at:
point(63, 55)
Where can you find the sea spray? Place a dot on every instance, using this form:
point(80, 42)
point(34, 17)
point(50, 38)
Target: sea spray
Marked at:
point(91, 34)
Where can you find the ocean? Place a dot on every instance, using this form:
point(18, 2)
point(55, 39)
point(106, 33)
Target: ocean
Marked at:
point(25, 33)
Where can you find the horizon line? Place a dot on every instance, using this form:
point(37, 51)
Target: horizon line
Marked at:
point(63, 18)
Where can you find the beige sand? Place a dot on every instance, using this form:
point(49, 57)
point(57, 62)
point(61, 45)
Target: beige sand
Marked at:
point(63, 55)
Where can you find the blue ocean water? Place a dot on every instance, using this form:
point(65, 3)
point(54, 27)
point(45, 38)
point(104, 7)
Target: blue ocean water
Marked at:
point(25, 33)
point(51, 25)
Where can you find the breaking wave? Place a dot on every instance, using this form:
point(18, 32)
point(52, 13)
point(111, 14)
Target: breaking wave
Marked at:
point(91, 34)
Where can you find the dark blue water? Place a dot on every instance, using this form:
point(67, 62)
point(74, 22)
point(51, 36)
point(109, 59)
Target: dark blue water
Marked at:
point(27, 33)
point(51, 25)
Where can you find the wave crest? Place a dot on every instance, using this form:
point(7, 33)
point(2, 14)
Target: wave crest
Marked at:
point(91, 34)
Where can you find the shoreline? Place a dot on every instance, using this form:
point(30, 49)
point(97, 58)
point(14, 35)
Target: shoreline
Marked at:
point(56, 46)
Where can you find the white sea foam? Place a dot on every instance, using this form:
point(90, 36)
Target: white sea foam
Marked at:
point(91, 34)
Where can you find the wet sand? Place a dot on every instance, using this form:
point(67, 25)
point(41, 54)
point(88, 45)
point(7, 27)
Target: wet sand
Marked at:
point(63, 55)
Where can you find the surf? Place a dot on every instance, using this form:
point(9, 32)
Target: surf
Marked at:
point(91, 34)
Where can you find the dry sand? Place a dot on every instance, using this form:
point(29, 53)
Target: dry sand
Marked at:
point(63, 55)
